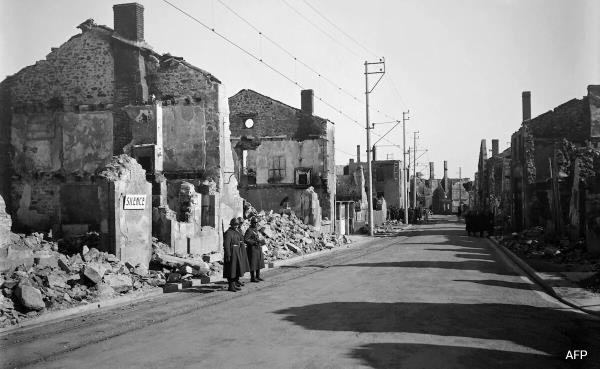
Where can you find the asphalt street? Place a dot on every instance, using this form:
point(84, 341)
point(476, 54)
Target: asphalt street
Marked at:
point(427, 298)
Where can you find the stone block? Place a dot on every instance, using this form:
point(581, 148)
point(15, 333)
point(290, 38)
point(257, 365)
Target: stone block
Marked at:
point(94, 272)
point(62, 264)
point(104, 291)
point(119, 282)
point(56, 280)
point(45, 261)
point(173, 277)
point(30, 297)
point(172, 287)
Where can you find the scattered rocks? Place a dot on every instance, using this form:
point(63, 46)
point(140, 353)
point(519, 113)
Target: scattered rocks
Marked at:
point(119, 282)
point(30, 297)
point(94, 272)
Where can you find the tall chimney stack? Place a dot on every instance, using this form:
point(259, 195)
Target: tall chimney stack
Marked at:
point(129, 21)
point(431, 171)
point(374, 153)
point(526, 98)
point(307, 98)
point(358, 153)
point(445, 169)
point(495, 147)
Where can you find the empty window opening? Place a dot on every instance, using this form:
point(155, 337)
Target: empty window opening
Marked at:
point(277, 169)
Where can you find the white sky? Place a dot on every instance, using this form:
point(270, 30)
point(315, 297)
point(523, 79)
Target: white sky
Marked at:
point(458, 65)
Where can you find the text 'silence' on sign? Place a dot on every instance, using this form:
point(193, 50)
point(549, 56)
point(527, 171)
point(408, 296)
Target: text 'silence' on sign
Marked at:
point(134, 202)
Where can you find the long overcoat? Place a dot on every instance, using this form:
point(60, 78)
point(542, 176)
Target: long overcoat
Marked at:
point(244, 255)
point(232, 243)
point(255, 255)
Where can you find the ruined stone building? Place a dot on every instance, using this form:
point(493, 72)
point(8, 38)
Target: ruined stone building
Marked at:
point(493, 186)
point(284, 155)
point(351, 199)
point(553, 180)
point(106, 92)
point(441, 195)
point(387, 178)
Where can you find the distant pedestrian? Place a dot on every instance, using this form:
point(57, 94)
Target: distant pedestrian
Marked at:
point(426, 215)
point(232, 260)
point(254, 243)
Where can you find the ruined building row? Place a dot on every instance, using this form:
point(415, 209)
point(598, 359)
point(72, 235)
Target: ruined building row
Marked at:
point(550, 174)
point(68, 120)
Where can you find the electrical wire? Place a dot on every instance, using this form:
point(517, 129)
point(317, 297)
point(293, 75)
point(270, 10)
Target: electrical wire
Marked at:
point(320, 14)
point(260, 60)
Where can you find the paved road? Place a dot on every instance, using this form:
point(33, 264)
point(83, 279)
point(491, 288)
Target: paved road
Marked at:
point(433, 298)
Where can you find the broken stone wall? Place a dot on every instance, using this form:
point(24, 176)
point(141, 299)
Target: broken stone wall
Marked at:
point(306, 141)
point(51, 149)
point(126, 226)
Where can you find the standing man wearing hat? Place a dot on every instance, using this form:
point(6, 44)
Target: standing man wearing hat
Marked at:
point(243, 254)
point(254, 242)
point(232, 257)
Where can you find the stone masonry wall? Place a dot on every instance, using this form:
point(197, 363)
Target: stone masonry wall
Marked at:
point(271, 118)
point(81, 71)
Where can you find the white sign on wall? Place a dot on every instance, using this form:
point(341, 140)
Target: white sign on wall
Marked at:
point(134, 202)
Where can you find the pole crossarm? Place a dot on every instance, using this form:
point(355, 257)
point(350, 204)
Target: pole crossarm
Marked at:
point(385, 134)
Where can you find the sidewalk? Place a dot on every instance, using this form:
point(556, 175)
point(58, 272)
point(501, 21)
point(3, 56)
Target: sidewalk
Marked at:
point(560, 285)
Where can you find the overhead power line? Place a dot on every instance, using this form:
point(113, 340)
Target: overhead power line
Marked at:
point(320, 14)
point(269, 66)
point(297, 59)
point(321, 29)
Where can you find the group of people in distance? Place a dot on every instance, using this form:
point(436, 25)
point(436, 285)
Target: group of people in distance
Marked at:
point(479, 222)
point(242, 253)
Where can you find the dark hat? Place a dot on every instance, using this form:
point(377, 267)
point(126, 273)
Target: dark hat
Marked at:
point(234, 222)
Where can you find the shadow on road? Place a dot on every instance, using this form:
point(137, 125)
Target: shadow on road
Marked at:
point(507, 284)
point(483, 266)
point(412, 355)
point(519, 324)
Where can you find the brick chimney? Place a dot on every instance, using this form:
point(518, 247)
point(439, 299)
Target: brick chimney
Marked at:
point(307, 101)
point(129, 21)
point(445, 169)
point(495, 147)
point(358, 153)
point(526, 99)
point(374, 153)
point(431, 171)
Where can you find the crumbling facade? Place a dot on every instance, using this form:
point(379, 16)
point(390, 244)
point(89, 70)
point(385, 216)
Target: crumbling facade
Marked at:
point(493, 190)
point(351, 199)
point(280, 152)
point(441, 195)
point(542, 170)
point(106, 92)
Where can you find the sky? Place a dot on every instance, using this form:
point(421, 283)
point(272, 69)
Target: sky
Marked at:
point(458, 66)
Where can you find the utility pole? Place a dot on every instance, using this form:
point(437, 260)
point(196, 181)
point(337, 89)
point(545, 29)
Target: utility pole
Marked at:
point(381, 72)
point(460, 189)
point(415, 170)
point(405, 117)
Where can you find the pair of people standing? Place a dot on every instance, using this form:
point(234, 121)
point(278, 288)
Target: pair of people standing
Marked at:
point(242, 253)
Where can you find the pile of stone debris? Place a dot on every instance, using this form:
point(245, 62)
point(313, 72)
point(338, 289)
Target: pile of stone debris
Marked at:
point(287, 236)
point(534, 243)
point(37, 277)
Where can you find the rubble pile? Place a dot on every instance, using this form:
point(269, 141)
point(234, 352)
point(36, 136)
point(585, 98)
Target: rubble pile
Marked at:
point(181, 267)
point(286, 236)
point(533, 243)
point(35, 277)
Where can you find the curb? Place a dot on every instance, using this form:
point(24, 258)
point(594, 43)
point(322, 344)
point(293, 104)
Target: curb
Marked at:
point(91, 307)
point(532, 274)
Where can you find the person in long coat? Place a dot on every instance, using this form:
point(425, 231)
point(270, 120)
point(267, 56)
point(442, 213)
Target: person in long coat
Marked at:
point(254, 242)
point(245, 264)
point(232, 257)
